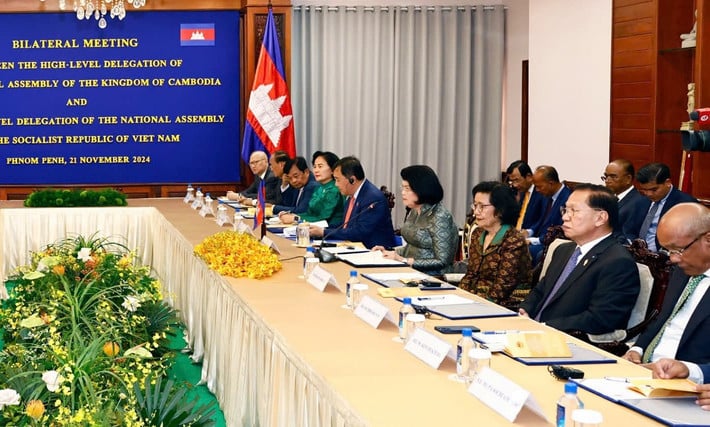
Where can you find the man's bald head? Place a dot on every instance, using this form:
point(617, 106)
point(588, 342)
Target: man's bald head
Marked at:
point(258, 162)
point(684, 231)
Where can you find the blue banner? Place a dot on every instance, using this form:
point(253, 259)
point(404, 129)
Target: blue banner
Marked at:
point(150, 99)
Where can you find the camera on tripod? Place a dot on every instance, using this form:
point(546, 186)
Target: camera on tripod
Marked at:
point(697, 140)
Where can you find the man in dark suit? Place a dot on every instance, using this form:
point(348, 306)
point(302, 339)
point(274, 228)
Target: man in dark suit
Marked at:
point(655, 183)
point(284, 193)
point(301, 179)
point(547, 182)
point(592, 282)
point(532, 203)
point(367, 214)
point(681, 329)
point(619, 178)
point(259, 165)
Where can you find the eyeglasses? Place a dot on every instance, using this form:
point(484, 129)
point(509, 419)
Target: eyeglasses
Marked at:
point(679, 252)
point(610, 177)
point(479, 206)
point(572, 212)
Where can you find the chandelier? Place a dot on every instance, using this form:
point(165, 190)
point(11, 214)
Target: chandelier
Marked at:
point(98, 9)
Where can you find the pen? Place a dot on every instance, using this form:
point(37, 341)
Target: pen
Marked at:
point(618, 379)
point(429, 298)
point(498, 332)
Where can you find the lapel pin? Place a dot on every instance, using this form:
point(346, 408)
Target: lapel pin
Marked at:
point(586, 261)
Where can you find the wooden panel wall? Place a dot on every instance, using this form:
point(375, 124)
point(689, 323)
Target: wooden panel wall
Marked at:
point(633, 81)
point(650, 75)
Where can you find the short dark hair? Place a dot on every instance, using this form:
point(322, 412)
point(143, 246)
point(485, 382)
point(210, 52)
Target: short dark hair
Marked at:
point(626, 166)
point(329, 158)
point(424, 183)
point(350, 167)
point(298, 161)
point(280, 156)
point(653, 172)
point(602, 198)
point(549, 173)
point(502, 199)
point(521, 166)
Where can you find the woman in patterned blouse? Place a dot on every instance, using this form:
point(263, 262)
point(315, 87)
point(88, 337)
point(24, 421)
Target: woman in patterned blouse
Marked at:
point(499, 261)
point(429, 228)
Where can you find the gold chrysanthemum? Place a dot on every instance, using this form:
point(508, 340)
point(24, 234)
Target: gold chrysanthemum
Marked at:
point(238, 255)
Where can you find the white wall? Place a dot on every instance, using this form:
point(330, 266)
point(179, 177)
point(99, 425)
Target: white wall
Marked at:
point(570, 80)
point(516, 52)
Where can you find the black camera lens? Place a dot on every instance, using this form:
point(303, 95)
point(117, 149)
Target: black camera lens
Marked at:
point(696, 140)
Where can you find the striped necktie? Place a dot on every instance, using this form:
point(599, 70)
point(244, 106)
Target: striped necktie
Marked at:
point(571, 264)
point(687, 292)
point(646, 226)
point(351, 204)
point(524, 208)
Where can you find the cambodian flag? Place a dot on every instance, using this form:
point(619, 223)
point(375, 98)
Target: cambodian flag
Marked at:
point(269, 121)
point(260, 205)
point(197, 35)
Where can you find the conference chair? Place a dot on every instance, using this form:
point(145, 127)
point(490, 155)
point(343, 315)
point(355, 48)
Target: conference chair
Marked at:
point(552, 234)
point(389, 196)
point(654, 272)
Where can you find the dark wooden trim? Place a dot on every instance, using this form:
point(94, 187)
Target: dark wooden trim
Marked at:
point(524, 116)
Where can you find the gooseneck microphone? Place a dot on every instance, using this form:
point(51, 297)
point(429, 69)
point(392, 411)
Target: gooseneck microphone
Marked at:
point(325, 256)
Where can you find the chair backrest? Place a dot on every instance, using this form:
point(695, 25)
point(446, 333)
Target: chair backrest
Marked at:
point(550, 251)
point(468, 228)
point(389, 196)
point(553, 233)
point(660, 268)
point(640, 310)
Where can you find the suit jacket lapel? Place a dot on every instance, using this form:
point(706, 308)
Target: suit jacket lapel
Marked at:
point(582, 266)
point(701, 312)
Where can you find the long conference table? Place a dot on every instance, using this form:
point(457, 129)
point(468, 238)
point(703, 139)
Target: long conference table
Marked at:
point(278, 352)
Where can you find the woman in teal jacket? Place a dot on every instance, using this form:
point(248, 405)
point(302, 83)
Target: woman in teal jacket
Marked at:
point(326, 202)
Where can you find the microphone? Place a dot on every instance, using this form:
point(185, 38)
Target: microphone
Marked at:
point(325, 256)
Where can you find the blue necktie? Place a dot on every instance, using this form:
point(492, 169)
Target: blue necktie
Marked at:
point(646, 226)
point(571, 264)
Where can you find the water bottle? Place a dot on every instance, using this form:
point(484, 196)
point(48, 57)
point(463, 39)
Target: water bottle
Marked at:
point(463, 347)
point(567, 404)
point(310, 262)
point(348, 295)
point(404, 310)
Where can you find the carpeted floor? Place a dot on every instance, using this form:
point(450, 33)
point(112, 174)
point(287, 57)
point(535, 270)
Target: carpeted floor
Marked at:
point(185, 371)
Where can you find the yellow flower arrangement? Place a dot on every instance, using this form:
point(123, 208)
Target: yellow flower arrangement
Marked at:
point(237, 254)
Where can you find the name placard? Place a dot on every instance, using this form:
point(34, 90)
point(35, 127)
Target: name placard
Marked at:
point(320, 278)
point(371, 311)
point(241, 227)
point(428, 348)
point(503, 395)
point(270, 243)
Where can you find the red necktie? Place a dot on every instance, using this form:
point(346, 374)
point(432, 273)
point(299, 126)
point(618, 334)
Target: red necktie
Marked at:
point(349, 211)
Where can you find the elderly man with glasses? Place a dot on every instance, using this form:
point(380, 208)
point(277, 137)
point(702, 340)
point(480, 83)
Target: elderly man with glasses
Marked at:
point(259, 165)
point(592, 282)
point(619, 178)
point(681, 329)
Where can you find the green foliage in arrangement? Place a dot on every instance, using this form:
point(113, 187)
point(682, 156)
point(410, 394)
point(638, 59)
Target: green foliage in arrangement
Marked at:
point(85, 342)
point(54, 198)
